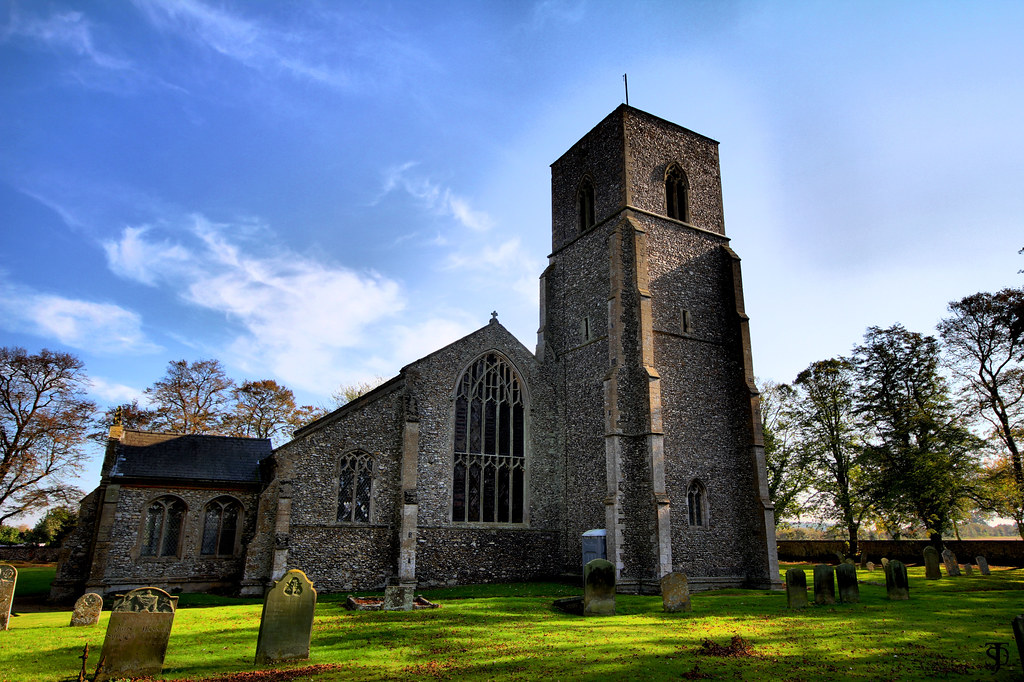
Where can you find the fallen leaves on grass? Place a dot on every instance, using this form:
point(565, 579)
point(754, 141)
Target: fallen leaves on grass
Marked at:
point(272, 675)
point(737, 647)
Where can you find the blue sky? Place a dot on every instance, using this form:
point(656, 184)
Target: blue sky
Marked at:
point(321, 192)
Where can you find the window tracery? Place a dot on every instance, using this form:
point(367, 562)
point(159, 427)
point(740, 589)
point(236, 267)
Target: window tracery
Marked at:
point(677, 194)
point(355, 487)
point(220, 526)
point(163, 523)
point(696, 505)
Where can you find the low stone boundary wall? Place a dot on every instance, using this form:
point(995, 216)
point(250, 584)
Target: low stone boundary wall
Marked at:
point(38, 555)
point(996, 552)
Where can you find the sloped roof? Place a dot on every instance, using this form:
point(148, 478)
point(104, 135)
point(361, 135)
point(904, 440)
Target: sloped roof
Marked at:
point(193, 458)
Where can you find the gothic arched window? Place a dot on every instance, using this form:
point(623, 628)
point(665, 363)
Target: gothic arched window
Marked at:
point(677, 194)
point(161, 535)
point(220, 526)
point(355, 487)
point(585, 205)
point(697, 505)
point(490, 435)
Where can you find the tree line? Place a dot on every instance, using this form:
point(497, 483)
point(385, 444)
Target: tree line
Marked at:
point(46, 419)
point(911, 432)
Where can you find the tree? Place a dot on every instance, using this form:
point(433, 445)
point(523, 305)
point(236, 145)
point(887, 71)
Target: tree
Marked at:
point(346, 393)
point(262, 409)
point(785, 457)
point(191, 397)
point(44, 421)
point(54, 526)
point(10, 536)
point(824, 412)
point(922, 457)
point(986, 348)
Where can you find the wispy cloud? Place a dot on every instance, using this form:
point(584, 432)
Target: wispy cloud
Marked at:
point(299, 317)
point(113, 393)
point(434, 197)
point(101, 328)
point(504, 262)
point(558, 12)
point(61, 32)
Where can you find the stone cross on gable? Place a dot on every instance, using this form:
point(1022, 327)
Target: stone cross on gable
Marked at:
point(494, 317)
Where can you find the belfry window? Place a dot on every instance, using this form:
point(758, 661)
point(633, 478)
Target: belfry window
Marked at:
point(696, 505)
point(585, 205)
point(489, 451)
point(220, 526)
point(355, 488)
point(677, 194)
point(161, 535)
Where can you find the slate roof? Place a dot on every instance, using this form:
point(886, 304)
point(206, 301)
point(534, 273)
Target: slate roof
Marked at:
point(193, 458)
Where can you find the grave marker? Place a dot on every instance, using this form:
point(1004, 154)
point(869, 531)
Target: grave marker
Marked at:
point(896, 584)
point(796, 588)
point(952, 567)
point(675, 593)
point(599, 588)
point(136, 640)
point(286, 626)
point(849, 590)
point(1018, 634)
point(825, 584)
point(871, 566)
point(982, 566)
point(8, 579)
point(87, 610)
point(931, 563)
point(968, 569)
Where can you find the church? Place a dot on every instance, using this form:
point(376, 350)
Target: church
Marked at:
point(485, 461)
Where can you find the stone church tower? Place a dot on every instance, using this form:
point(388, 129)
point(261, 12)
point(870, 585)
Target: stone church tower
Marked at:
point(643, 329)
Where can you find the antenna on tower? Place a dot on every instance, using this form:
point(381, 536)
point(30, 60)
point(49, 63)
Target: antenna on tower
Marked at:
point(625, 83)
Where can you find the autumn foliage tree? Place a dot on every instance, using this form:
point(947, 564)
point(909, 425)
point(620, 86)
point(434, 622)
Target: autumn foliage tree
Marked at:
point(45, 419)
point(192, 397)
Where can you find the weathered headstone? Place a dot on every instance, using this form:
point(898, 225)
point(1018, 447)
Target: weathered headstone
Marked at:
point(8, 579)
point(675, 592)
point(863, 559)
point(949, 559)
point(137, 634)
point(286, 625)
point(1018, 634)
point(849, 590)
point(885, 562)
point(871, 566)
point(931, 563)
point(968, 569)
point(983, 566)
point(796, 588)
point(599, 588)
point(87, 610)
point(825, 584)
point(896, 584)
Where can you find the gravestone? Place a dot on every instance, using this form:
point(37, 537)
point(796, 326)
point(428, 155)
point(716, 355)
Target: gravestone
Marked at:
point(675, 593)
point(8, 578)
point(849, 590)
point(825, 584)
point(982, 566)
point(137, 634)
point(885, 562)
point(931, 563)
point(399, 597)
point(948, 558)
point(286, 625)
point(796, 588)
point(599, 588)
point(1018, 634)
point(871, 566)
point(864, 560)
point(968, 569)
point(87, 610)
point(896, 584)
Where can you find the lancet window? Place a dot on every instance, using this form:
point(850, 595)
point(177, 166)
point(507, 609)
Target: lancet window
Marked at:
point(677, 194)
point(220, 526)
point(696, 505)
point(355, 487)
point(161, 535)
point(585, 205)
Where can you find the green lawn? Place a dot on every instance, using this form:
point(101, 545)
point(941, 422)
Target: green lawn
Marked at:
point(511, 631)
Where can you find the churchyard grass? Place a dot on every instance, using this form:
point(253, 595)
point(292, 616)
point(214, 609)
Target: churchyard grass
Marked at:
point(33, 579)
point(511, 631)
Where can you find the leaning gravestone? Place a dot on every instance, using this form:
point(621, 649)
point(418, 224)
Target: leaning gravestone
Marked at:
point(796, 588)
point(1018, 634)
point(87, 610)
point(849, 590)
point(675, 592)
point(983, 566)
point(968, 569)
point(599, 588)
point(8, 578)
point(825, 584)
point(896, 584)
point(286, 626)
point(931, 563)
point(952, 567)
point(885, 562)
point(871, 566)
point(137, 634)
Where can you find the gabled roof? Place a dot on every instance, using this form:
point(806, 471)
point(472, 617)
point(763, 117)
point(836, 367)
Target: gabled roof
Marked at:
point(192, 458)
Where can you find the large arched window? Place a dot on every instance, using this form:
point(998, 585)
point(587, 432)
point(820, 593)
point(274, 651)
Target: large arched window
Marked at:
point(490, 433)
point(161, 534)
point(585, 205)
point(677, 194)
point(697, 505)
point(355, 487)
point(220, 526)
